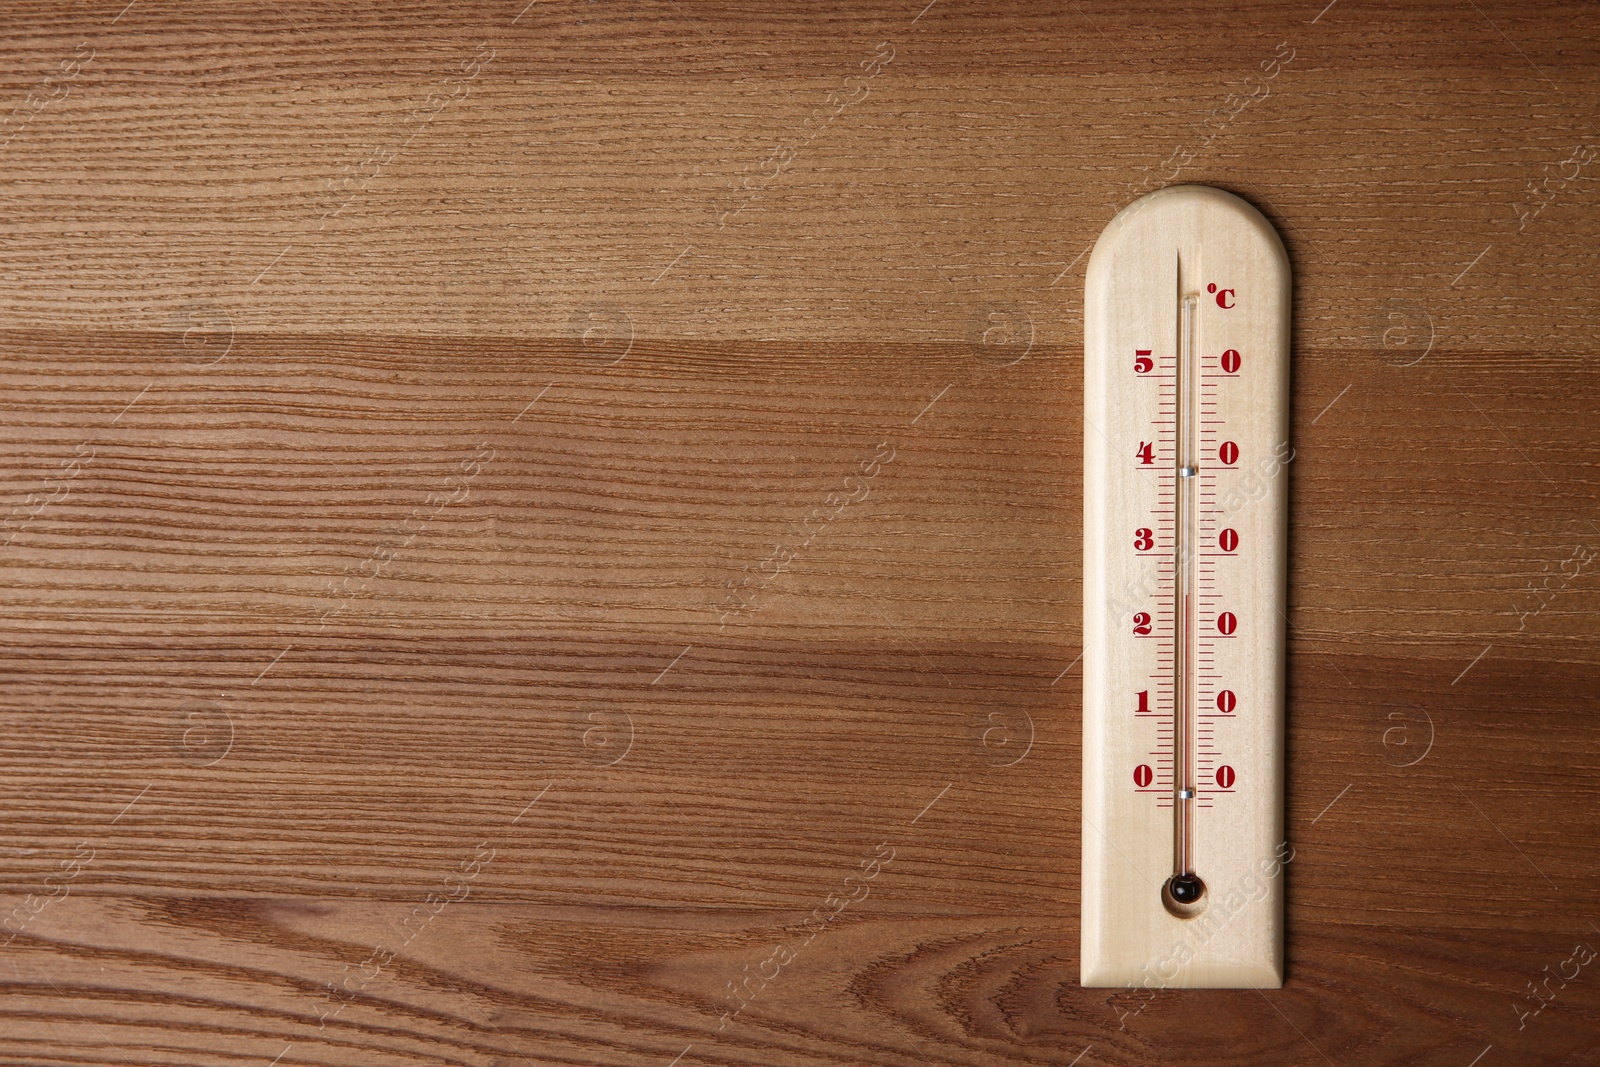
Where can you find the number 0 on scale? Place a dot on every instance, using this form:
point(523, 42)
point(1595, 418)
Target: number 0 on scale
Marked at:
point(1186, 359)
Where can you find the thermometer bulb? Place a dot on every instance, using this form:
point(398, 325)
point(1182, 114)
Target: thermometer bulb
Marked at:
point(1185, 888)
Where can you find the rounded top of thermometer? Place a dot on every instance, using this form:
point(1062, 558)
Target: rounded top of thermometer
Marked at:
point(1186, 216)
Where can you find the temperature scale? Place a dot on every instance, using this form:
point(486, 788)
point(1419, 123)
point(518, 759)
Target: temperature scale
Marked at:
point(1186, 356)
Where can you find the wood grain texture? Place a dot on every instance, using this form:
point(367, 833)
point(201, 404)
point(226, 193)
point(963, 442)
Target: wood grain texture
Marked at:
point(417, 413)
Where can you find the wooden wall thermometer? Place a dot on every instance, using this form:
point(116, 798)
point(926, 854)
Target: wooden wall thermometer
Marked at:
point(1186, 380)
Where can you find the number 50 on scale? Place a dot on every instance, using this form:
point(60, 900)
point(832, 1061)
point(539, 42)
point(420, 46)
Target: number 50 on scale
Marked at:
point(1186, 361)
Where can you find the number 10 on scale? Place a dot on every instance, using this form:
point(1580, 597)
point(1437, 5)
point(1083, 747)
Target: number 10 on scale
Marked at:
point(1185, 529)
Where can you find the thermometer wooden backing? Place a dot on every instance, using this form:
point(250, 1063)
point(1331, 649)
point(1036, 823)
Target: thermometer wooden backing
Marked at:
point(1186, 356)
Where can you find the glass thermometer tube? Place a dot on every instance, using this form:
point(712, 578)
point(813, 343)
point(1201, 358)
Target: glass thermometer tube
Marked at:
point(1184, 886)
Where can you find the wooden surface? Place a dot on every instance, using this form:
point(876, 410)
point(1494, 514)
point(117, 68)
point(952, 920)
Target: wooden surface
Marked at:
point(417, 413)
